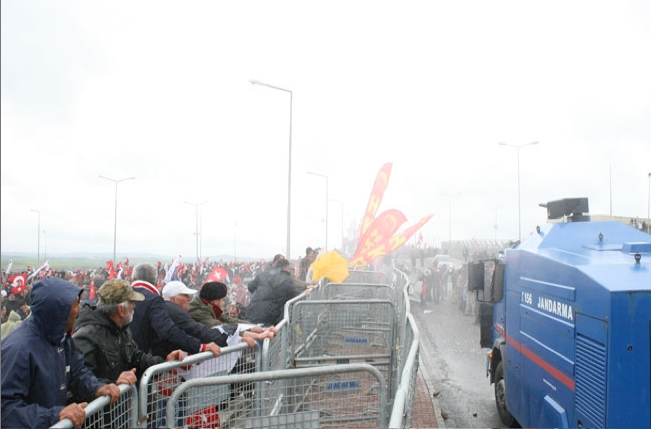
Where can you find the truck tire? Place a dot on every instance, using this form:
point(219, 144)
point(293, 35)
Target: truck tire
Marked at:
point(500, 398)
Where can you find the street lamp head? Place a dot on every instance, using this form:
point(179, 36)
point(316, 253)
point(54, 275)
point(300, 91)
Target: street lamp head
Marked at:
point(116, 181)
point(517, 146)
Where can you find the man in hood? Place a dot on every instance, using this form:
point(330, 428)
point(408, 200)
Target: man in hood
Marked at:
point(41, 365)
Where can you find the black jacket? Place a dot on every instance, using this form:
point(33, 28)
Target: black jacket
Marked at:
point(152, 322)
point(268, 302)
point(182, 319)
point(108, 349)
point(262, 279)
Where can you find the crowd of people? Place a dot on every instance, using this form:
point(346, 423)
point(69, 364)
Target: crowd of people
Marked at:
point(72, 336)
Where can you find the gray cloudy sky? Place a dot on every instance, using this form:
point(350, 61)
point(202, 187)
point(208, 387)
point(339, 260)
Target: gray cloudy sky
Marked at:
point(160, 91)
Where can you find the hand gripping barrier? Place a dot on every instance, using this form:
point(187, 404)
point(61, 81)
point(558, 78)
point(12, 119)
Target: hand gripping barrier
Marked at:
point(99, 414)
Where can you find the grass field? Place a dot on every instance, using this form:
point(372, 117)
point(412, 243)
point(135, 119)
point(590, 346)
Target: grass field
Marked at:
point(20, 263)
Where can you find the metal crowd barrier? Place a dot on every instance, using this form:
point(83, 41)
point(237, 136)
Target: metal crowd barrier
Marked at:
point(159, 381)
point(335, 362)
point(349, 290)
point(403, 403)
point(335, 332)
point(352, 395)
point(100, 415)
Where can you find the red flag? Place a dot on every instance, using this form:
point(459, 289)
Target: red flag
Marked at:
point(218, 274)
point(380, 230)
point(18, 279)
point(388, 245)
point(126, 262)
point(379, 186)
point(91, 294)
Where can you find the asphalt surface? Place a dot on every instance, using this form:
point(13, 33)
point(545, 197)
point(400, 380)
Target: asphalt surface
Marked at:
point(454, 366)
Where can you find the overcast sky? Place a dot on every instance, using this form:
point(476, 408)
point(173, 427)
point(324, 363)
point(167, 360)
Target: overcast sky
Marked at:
point(161, 91)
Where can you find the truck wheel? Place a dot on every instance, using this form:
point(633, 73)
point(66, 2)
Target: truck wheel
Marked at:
point(500, 398)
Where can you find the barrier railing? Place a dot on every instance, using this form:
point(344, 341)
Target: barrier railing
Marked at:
point(335, 362)
point(351, 331)
point(403, 403)
point(159, 381)
point(99, 414)
point(351, 395)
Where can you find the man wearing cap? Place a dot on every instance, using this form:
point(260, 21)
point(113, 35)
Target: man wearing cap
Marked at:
point(41, 364)
point(103, 337)
point(152, 322)
point(177, 298)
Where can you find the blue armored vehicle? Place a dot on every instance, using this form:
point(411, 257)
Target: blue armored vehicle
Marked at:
point(566, 315)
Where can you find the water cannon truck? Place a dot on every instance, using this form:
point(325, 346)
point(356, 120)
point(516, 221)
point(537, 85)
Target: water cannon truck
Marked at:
point(566, 315)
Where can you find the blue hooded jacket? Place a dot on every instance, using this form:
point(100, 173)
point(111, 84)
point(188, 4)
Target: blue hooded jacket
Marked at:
point(40, 362)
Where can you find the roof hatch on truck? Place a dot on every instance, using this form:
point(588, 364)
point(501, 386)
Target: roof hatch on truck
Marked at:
point(573, 209)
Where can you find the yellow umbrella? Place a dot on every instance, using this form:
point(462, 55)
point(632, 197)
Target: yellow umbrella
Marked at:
point(330, 265)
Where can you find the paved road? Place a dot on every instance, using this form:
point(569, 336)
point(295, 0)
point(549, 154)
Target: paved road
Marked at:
point(455, 366)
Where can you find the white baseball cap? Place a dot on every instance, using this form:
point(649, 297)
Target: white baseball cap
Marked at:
point(175, 288)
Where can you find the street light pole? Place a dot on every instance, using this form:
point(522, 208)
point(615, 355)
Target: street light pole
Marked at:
point(44, 246)
point(517, 147)
point(326, 207)
point(496, 208)
point(115, 216)
point(196, 233)
point(289, 167)
point(450, 194)
point(38, 235)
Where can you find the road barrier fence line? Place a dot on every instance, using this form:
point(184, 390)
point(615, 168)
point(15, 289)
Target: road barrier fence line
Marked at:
point(300, 379)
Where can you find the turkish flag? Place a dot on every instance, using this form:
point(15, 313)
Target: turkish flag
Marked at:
point(218, 274)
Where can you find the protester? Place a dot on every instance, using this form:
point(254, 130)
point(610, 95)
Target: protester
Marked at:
point(306, 261)
point(103, 337)
point(9, 322)
point(41, 365)
point(151, 319)
point(268, 303)
point(237, 311)
point(240, 292)
point(208, 308)
point(267, 272)
point(177, 298)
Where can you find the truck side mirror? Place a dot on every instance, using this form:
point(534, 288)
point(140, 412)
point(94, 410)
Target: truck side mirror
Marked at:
point(498, 283)
point(475, 276)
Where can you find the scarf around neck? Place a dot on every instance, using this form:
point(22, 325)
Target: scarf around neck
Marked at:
point(215, 308)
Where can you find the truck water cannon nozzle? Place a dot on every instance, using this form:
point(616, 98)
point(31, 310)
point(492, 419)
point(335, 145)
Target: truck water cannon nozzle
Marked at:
point(575, 209)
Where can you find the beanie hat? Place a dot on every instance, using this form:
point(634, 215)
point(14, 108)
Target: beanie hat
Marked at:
point(213, 290)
